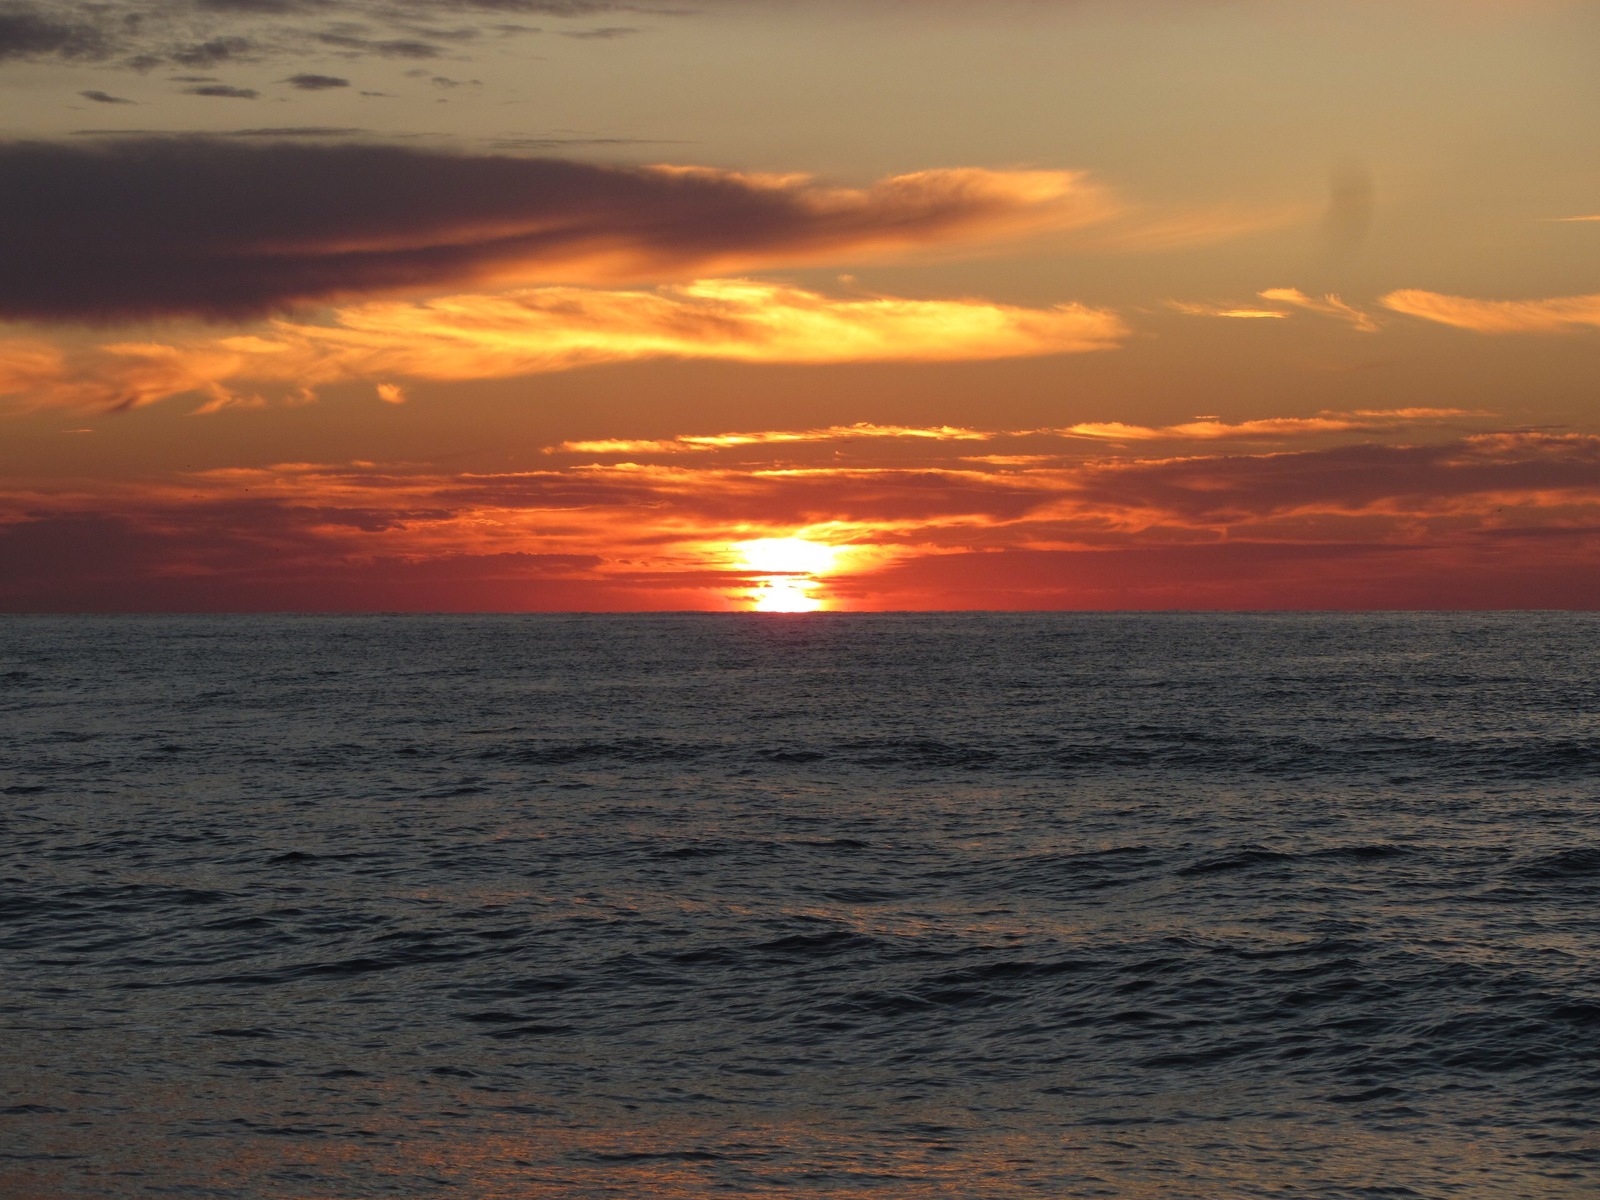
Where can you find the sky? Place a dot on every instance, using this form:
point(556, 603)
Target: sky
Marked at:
point(797, 305)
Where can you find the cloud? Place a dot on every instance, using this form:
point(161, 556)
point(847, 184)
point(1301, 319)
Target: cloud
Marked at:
point(181, 226)
point(559, 328)
point(103, 97)
point(144, 34)
point(210, 53)
point(308, 82)
point(223, 90)
point(1396, 484)
point(276, 132)
point(1223, 310)
point(382, 47)
point(1328, 306)
point(29, 33)
point(690, 442)
point(1271, 428)
point(1560, 315)
point(1200, 429)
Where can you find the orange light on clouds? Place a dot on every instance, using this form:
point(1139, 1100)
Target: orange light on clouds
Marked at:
point(1561, 314)
point(540, 330)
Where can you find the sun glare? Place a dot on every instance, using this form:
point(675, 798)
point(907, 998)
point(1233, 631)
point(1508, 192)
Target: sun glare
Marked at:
point(791, 566)
point(794, 556)
point(786, 595)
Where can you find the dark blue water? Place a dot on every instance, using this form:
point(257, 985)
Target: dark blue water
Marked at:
point(910, 906)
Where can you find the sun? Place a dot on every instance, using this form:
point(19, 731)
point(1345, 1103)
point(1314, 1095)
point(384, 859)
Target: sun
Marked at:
point(786, 596)
point(788, 556)
point(790, 566)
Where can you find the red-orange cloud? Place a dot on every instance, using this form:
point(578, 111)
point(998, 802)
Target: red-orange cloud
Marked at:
point(551, 329)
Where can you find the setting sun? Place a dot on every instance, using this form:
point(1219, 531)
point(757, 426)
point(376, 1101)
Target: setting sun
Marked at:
point(786, 595)
point(791, 565)
point(794, 556)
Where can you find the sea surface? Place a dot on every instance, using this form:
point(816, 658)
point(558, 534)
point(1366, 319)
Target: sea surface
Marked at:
point(829, 905)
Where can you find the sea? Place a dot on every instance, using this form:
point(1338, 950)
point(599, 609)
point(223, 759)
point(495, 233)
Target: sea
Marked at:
point(826, 905)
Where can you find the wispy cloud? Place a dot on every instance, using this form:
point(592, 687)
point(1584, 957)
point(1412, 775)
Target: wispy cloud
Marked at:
point(1206, 429)
point(1225, 310)
point(1563, 314)
point(1328, 306)
point(771, 437)
point(1209, 429)
point(554, 329)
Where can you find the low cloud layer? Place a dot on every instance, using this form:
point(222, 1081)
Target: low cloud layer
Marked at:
point(1497, 519)
point(548, 329)
point(143, 228)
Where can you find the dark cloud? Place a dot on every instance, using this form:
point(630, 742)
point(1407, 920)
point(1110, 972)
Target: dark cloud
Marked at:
point(307, 82)
point(245, 555)
point(545, 8)
point(145, 34)
point(278, 131)
point(556, 143)
point(103, 97)
point(136, 228)
point(28, 33)
point(391, 48)
point(223, 90)
point(217, 50)
point(271, 8)
point(606, 34)
point(1346, 479)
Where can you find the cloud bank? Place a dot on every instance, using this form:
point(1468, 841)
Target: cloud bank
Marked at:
point(188, 227)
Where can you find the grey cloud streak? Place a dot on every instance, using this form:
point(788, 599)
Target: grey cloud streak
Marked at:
point(144, 34)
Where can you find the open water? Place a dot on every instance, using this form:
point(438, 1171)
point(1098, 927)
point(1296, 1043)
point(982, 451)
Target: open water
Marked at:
point(906, 906)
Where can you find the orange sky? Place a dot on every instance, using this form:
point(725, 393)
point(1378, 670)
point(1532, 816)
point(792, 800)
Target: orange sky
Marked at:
point(794, 304)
